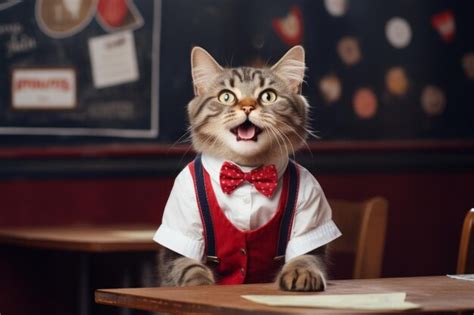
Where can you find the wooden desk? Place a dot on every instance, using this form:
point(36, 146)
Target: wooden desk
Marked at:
point(85, 240)
point(116, 238)
point(434, 294)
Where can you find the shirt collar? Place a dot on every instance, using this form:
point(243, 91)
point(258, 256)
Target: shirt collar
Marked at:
point(213, 165)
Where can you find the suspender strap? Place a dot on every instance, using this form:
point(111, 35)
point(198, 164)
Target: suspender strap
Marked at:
point(204, 207)
point(290, 207)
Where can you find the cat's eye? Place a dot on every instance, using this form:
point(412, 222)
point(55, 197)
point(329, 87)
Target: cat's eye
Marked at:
point(226, 97)
point(267, 97)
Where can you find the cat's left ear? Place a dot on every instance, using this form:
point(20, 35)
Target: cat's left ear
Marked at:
point(204, 69)
point(291, 68)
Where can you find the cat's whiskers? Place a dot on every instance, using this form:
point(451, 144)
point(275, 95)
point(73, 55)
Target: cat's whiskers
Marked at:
point(303, 140)
point(188, 138)
point(230, 113)
point(289, 141)
point(270, 129)
point(266, 125)
point(276, 134)
point(309, 129)
point(228, 120)
point(292, 130)
point(283, 137)
point(185, 137)
point(312, 133)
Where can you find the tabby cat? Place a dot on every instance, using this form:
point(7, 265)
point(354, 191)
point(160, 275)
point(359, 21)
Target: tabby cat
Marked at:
point(249, 117)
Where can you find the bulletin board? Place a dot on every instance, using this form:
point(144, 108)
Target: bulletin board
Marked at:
point(85, 68)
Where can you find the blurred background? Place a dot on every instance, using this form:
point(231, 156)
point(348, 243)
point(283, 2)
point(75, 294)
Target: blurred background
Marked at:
point(92, 118)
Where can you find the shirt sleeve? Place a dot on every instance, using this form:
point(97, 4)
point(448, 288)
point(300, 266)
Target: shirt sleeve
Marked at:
point(181, 228)
point(313, 226)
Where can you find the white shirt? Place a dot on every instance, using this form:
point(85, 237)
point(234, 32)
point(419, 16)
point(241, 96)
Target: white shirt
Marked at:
point(181, 229)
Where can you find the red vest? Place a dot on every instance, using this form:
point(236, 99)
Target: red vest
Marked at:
point(239, 256)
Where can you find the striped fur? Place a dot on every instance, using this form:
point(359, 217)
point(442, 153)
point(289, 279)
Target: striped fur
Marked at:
point(305, 272)
point(175, 270)
point(283, 126)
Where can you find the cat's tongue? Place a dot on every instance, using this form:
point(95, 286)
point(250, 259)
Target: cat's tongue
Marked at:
point(246, 132)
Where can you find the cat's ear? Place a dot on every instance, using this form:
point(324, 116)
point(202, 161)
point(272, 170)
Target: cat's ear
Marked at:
point(291, 68)
point(204, 69)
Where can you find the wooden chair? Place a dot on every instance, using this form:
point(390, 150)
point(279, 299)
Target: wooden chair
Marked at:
point(466, 246)
point(363, 226)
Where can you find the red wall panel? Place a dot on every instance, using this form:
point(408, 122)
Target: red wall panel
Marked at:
point(426, 211)
point(77, 201)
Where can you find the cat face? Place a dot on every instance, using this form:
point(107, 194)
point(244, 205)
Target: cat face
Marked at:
point(248, 115)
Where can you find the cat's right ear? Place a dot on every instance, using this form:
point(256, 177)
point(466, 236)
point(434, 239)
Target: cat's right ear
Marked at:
point(204, 69)
point(291, 67)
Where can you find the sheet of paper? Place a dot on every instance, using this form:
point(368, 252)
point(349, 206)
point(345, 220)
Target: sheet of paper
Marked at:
point(378, 301)
point(44, 88)
point(113, 59)
point(468, 277)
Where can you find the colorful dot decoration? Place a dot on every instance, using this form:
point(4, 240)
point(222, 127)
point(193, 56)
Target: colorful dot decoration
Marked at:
point(399, 35)
point(396, 81)
point(365, 103)
point(398, 32)
point(349, 51)
point(331, 88)
point(336, 7)
point(433, 100)
point(468, 65)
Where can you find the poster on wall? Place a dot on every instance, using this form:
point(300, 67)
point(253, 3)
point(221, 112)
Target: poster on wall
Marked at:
point(80, 67)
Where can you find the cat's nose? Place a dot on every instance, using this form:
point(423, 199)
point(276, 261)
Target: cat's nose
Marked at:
point(247, 105)
point(248, 109)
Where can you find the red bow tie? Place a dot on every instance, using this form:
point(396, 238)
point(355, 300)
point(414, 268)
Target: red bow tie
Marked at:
point(264, 178)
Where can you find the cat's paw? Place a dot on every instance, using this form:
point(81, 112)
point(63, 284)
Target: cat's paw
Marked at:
point(301, 276)
point(196, 275)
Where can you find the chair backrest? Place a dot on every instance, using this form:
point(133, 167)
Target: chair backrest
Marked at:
point(363, 226)
point(466, 246)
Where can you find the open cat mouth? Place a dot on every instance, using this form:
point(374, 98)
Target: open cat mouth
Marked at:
point(246, 131)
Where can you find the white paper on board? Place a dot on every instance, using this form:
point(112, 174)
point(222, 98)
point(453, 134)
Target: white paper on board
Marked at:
point(43, 88)
point(113, 59)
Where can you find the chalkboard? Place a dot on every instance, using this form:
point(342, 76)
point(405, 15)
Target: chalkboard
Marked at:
point(377, 70)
